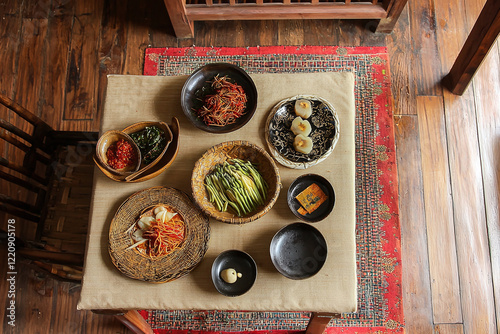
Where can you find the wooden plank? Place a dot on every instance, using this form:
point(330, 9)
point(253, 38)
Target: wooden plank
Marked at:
point(474, 264)
point(439, 211)
point(4, 288)
point(476, 48)
point(291, 32)
point(137, 40)
point(9, 53)
point(11, 8)
point(449, 329)
point(469, 199)
point(289, 12)
point(82, 79)
point(29, 75)
point(245, 33)
point(225, 33)
point(349, 33)
point(402, 83)
point(321, 32)
point(486, 87)
point(216, 33)
point(65, 308)
point(35, 310)
point(112, 49)
point(417, 305)
point(424, 48)
point(58, 46)
point(268, 33)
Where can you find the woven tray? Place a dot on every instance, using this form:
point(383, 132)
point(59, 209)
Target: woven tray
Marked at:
point(173, 265)
point(242, 150)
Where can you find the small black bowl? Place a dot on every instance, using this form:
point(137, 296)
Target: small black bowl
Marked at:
point(240, 261)
point(197, 86)
point(301, 183)
point(298, 251)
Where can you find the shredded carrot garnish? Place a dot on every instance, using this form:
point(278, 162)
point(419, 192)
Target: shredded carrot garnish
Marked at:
point(225, 106)
point(164, 237)
point(161, 237)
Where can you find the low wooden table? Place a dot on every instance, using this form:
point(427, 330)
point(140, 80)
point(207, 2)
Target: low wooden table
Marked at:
point(332, 291)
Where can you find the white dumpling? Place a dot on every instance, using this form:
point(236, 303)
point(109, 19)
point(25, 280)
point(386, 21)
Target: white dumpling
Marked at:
point(300, 126)
point(303, 108)
point(303, 144)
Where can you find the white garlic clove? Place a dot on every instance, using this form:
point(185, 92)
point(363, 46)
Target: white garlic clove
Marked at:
point(145, 222)
point(303, 144)
point(159, 209)
point(300, 126)
point(303, 108)
point(138, 235)
point(165, 216)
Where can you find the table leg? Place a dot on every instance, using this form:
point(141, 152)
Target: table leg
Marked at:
point(131, 319)
point(319, 321)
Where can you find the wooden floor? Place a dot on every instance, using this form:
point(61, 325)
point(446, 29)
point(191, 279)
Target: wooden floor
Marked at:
point(55, 55)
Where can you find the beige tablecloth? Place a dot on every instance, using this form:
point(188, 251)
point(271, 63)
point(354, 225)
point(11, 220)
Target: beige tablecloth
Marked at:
point(130, 99)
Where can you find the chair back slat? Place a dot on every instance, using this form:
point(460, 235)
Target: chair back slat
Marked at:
point(28, 185)
point(16, 131)
point(19, 204)
point(19, 213)
point(23, 112)
point(30, 173)
point(23, 147)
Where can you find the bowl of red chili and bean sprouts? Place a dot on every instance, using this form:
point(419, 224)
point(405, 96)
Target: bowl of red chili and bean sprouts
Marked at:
point(118, 153)
point(219, 98)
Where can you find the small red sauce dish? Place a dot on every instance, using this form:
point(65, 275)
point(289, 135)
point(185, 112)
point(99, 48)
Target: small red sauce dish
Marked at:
point(118, 153)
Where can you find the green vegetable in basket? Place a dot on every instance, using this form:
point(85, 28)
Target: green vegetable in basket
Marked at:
point(236, 185)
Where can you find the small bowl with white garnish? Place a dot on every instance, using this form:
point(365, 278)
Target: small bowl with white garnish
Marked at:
point(233, 272)
point(301, 131)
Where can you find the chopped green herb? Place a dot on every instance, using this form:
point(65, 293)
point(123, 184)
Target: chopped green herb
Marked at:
point(151, 141)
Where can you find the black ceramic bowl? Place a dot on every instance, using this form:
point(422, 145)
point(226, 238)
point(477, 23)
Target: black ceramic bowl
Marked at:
point(197, 86)
point(298, 251)
point(301, 183)
point(240, 261)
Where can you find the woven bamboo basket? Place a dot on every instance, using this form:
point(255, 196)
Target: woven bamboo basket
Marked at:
point(168, 267)
point(241, 150)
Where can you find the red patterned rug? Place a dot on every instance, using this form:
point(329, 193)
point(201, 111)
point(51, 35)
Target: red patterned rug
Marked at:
point(380, 308)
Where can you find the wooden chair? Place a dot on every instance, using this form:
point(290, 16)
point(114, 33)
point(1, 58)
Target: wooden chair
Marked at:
point(183, 13)
point(46, 182)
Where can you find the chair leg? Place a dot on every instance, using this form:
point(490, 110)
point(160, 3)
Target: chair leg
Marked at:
point(387, 25)
point(475, 49)
point(183, 27)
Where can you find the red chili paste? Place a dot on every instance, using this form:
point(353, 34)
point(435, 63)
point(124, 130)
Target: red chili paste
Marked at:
point(120, 154)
